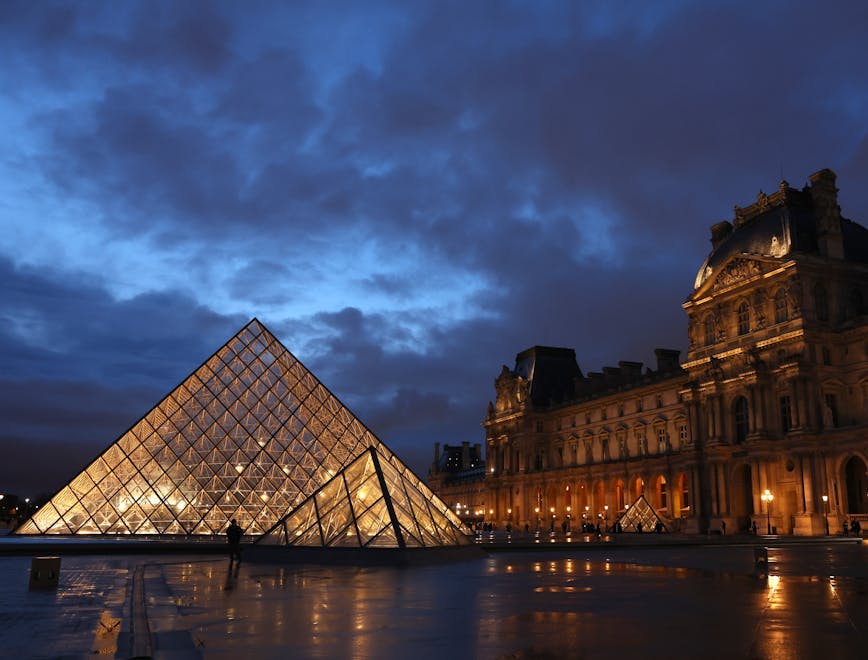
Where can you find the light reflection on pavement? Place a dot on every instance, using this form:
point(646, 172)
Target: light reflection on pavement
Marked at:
point(651, 602)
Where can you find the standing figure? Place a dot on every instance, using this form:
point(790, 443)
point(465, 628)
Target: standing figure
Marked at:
point(233, 537)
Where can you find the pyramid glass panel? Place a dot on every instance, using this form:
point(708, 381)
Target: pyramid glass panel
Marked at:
point(251, 434)
point(369, 503)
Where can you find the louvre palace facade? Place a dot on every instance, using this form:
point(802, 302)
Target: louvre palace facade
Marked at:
point(765, 421)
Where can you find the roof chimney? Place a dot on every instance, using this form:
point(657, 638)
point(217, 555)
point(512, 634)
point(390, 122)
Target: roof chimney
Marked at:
point(667, 360)
point(720, 232)
point(827, 213)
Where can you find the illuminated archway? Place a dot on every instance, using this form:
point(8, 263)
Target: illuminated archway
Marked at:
point(661, 493)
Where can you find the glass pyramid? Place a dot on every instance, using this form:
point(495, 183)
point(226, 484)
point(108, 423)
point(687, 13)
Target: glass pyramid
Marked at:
point(374, 501)
point(641, 511)
point(251, 434)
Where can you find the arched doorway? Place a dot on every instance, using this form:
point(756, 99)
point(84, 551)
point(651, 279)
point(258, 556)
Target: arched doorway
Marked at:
point(619, 495)
point(856, 478)
point(661, 494)
point(638, 488)
point(742, 496)
point(681, 495)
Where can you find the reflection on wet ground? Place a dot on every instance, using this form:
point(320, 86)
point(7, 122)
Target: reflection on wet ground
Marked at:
point(656, 602)
point(81, 616)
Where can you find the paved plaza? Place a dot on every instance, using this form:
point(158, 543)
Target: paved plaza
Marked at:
point(577, 602)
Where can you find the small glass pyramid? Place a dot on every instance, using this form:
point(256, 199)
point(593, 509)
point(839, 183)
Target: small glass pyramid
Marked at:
point(371, 502)
point(640, 511)
point(251, 434)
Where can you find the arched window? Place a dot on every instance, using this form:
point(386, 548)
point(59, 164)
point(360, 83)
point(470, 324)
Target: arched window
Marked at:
point(739, 409)
point(782, 312)
point(710, 330)
point(821, 302)
point(662, 493)
point(743, 318)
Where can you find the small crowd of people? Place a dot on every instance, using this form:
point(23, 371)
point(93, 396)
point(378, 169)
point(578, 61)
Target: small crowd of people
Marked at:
point(855, 528)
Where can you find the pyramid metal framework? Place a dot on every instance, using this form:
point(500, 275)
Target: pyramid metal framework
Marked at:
point(252, 435)
point(641, 511)
point(369, 503)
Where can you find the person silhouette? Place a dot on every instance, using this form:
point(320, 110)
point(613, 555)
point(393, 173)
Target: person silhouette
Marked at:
point(233, 537)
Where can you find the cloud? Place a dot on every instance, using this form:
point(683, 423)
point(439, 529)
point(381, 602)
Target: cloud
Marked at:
point(406, 194)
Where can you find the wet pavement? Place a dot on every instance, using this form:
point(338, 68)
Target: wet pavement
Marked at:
point(81, 617)
point(673, 602)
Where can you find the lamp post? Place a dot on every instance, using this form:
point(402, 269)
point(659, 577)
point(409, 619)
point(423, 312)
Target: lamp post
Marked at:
point(826, 512)
point(606, 517)
point(537, 518)
point(569, 518)
point(767, 497)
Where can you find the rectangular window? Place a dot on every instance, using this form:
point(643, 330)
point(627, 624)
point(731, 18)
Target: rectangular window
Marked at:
point(539, 427)
point(659, 400)
point(682, 434)
point(786, 414)
point(661, 440)
point(827, 356)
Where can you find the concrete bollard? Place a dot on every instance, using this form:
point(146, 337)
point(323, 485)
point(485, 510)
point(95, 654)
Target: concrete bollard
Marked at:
point(44, 572)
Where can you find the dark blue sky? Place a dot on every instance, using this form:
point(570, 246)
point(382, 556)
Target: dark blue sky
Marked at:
point(406, 193)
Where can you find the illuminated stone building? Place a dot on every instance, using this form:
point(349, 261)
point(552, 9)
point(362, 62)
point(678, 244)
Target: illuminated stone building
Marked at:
point(772, 399)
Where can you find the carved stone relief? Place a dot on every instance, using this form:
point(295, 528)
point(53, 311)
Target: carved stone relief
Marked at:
point(736, 271)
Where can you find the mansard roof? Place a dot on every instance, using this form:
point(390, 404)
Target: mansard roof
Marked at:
point(786, 223)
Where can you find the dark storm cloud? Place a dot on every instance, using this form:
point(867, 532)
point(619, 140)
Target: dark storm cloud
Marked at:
point(80, 367)
point(560, 164)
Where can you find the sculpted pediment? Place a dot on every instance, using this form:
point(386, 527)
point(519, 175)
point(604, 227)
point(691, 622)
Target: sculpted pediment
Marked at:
point(736, 271)
point(512, 390)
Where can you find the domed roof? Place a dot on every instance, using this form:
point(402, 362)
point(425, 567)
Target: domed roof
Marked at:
point(785, 223)
point(776, 233)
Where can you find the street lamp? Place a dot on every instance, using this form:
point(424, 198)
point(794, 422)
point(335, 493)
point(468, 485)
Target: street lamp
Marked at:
point(606, 518)
point(826, 512)
point(537, 518)
point(767, 497)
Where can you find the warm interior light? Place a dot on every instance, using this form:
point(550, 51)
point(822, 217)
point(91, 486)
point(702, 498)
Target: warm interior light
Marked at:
point(239, 468)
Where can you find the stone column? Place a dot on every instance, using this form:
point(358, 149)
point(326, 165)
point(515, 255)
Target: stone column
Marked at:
point(762, 423)
point(795, 409)
point(807, 472)
point(752, 405)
